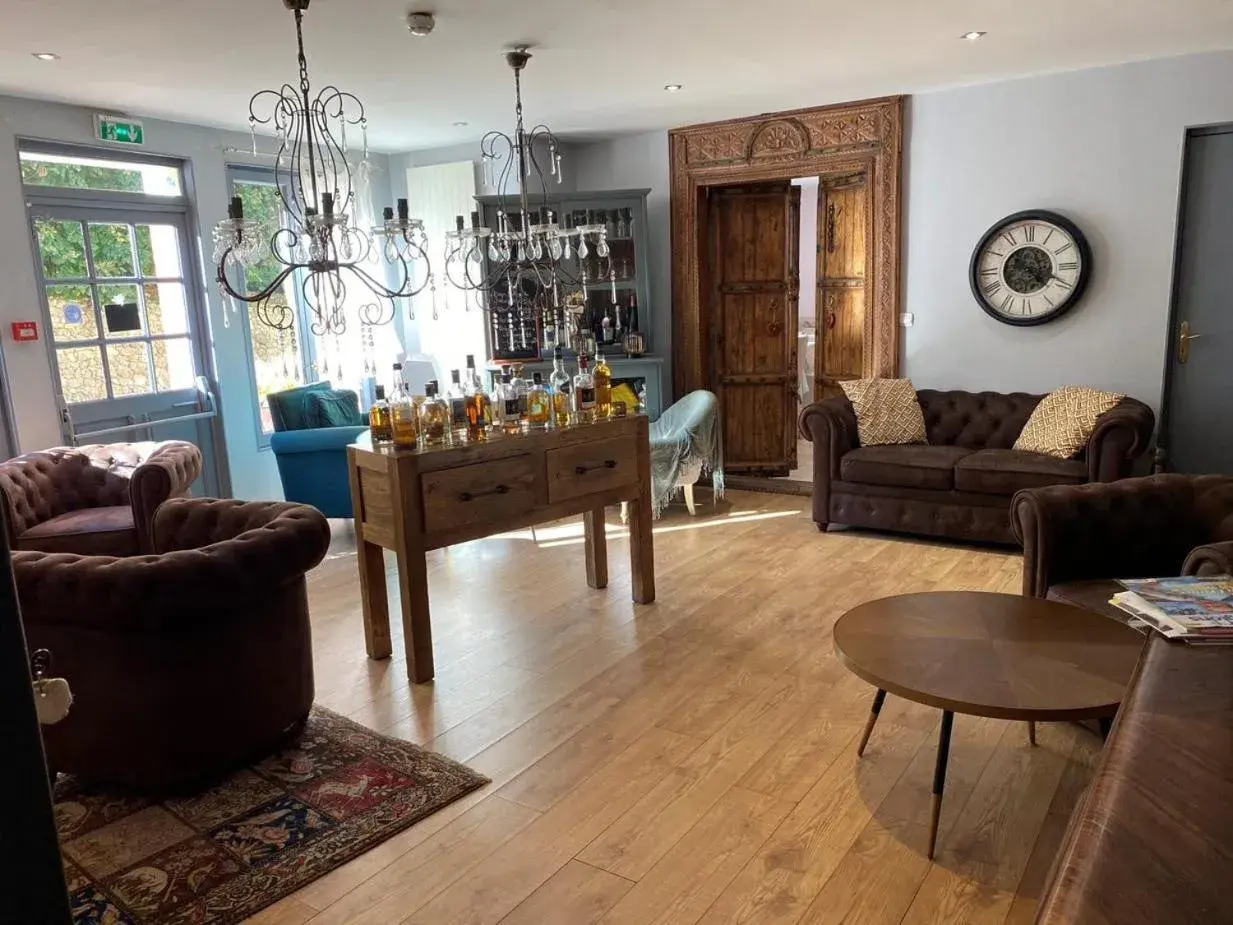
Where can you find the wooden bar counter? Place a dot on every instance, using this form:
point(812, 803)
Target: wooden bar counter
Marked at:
point(412, 501)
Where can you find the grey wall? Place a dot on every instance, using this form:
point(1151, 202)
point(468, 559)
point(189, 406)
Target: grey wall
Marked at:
point(1102, 146)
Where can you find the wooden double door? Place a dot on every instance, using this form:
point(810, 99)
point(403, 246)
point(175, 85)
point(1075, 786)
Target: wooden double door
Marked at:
point(753, 262)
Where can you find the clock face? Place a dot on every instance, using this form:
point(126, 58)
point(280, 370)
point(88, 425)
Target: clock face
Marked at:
point(1030, 268)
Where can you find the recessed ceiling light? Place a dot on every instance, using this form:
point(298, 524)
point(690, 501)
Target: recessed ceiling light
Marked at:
point(674, 88)
point(461, 124)
point(972, 36)
point(46, 55)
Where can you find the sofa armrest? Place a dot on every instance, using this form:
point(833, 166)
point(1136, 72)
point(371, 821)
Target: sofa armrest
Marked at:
point(1133, 528)
point(1211, 559)
point(168, 472)
point(830, 425)
point(1121, 436)
point(317, 440)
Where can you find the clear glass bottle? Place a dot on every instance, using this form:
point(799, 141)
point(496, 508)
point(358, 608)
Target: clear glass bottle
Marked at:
point(380, 420)
point(539, 404)
point(521, 387)
point(404, 423)
point(434, 418)
point(561, 387)
point(603, 388)
point(584, 393)
point(456, 398)
point(508, 416)
point(479, 405)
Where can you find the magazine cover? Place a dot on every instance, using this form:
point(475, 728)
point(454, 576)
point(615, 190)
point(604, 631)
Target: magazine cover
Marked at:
point(1201, 598)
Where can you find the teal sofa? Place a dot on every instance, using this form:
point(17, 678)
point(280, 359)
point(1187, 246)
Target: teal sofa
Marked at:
point(310, 445)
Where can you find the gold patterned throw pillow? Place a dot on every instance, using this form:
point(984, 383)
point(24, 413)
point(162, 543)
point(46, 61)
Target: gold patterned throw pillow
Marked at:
point(887, 411)
point(1064, 420)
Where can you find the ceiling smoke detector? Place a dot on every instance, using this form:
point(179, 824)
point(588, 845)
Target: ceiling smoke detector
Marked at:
point(421, 23)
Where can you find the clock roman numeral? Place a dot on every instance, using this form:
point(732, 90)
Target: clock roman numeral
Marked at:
point(1027, 306)
point(1072, 265)
point(1061, 282)
point(991, 271)
point(1048, 236)
point(1061, 250)
point(1030, 231)
point(1052, 304)
point(992, 288)
point(996, 254)
point(1008, 304)
point(1009, 236)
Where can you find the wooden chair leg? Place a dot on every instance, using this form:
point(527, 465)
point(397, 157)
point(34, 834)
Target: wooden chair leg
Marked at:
point(689, 501)
point(1031, 732)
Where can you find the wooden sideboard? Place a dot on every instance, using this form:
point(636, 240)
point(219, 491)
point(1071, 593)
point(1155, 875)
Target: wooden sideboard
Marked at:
point(413, 501)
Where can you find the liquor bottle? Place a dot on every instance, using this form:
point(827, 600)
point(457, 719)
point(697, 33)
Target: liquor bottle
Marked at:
point(457, 399)
point(479, 406)
point(508, 415)
point(635, 342)
point(521, 387)
point(434, 418)
point(539, 404)
point(380, 420)
point(603, 388)
point(584, 393)
point(605, 328)
point(559, 384)
point(404, 423)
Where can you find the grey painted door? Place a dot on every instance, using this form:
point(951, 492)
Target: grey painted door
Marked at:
point(1199, 414)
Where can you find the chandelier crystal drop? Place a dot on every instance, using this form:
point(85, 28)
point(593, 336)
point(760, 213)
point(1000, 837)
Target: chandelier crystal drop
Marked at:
point(533, 261)
point(320, 249)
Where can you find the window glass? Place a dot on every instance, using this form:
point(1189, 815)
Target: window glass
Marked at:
point(74, 172)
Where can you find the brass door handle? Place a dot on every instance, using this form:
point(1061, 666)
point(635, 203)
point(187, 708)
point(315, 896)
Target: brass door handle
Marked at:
point(1183, 342)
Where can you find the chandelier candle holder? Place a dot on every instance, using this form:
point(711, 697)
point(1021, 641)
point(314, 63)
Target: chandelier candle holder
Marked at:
point(319, 246)
point(523, 267)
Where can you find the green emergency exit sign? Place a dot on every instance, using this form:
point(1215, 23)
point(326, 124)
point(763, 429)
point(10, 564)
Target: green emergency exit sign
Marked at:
point(119, 131)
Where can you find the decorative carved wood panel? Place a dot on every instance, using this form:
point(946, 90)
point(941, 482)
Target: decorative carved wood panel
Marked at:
point(755, 289)
point(858, 138)
point(844, 333)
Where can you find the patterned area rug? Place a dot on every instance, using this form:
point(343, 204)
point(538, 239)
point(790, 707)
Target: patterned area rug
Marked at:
point(219, 856)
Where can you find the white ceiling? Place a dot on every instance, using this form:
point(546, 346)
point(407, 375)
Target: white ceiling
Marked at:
point(600, 65)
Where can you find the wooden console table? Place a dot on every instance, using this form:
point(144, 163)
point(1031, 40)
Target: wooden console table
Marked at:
point(411, 501)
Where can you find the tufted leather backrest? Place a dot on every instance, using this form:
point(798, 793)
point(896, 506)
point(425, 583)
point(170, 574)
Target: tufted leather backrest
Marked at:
point(1213, 504)
point(976, 420)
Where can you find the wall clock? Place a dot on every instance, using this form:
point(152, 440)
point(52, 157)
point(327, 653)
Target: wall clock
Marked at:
point(1030, 268)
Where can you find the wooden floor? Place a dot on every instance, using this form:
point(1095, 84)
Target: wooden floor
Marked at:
point(689, 761)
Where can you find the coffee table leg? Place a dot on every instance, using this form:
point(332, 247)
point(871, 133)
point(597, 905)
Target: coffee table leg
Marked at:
point(1031, 732)
point(878, 699)
point(939, 776)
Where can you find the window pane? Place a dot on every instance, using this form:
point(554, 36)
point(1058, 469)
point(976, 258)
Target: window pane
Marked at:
point(99, 174)
point(62, 246)
point(121, 310)
point(276, 360)
point(158, 249)
point(81, 374)
point(112, 246)
point(72, 313)
point(166, 308)
point(129, 365)
point(173, 364)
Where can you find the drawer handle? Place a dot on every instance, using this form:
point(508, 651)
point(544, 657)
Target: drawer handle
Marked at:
point(471, 496)
point(606, 464)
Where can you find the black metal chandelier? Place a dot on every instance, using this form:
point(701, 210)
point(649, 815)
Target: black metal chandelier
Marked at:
point(320, 248)
point(534, 265)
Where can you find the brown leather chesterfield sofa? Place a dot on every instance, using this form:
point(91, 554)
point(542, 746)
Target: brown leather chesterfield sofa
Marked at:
point(186, 664)
point(94, 500)
point(960, 484)
point(1152, 841)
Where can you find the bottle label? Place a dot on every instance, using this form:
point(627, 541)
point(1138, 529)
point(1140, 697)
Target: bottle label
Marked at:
point(586, 397)
point(513, 409)
point(458, 411)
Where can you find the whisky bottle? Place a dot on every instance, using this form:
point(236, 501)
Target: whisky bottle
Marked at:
point(457, 400)
point(584, 393)
point(603, 388)
point(404, 424)
point(434, 419)
point(380, 421)
point(560, 387)
point(539, 404)
point(479, 406)
point(521, 387)
point(508, 415)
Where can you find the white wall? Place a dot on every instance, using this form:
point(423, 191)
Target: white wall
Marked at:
point(1102, 146)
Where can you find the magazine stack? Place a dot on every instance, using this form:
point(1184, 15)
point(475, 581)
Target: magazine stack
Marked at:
point(1198, 611)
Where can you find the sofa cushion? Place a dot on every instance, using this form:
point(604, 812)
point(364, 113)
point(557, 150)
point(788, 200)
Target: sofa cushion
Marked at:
point(1064, 420)
point(887, 412)
point(335, 408)
point(1090, 595)
point(911, 466)
point(1004, 472)
point(91, 531)
point(289, 409)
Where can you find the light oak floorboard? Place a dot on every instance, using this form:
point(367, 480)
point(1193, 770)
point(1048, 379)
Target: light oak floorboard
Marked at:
point(688, 761)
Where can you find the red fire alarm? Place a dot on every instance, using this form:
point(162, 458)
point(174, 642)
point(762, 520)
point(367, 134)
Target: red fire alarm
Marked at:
point(25, 331)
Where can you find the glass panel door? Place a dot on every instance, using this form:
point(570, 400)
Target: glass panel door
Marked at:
point(124, 338)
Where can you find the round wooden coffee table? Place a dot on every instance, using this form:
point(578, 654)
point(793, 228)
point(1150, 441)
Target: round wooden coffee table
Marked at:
point(995, 655)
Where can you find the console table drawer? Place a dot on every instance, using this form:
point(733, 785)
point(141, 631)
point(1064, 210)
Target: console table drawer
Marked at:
point(589, 468)
point(477, 494)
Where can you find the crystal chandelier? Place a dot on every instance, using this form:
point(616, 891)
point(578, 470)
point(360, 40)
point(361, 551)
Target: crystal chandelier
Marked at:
point(320, 249)
point(525, 266)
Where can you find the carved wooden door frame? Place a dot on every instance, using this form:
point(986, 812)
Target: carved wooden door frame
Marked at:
point(781, 146)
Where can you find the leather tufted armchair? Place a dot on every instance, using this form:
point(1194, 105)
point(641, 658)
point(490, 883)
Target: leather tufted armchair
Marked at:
point(94, 500)
point(1077, 540)
point(186, 664)
point(960, 484)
